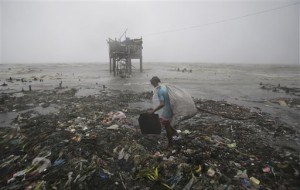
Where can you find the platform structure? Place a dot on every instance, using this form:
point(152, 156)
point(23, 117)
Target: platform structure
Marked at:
point(122, 52)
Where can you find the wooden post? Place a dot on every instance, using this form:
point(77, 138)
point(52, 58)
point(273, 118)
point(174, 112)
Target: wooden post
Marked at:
point(141, 64)
point(114, 66)
point(117, 68)
point(127, 65)
point(109, 64)
point(130, 66)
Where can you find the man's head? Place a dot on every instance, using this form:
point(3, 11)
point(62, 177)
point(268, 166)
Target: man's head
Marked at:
point(154, 81)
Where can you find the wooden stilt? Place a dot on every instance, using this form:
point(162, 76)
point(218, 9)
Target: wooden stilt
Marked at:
point(130, 66)
point(110, 68)
point(127, 65)
point(141, 64)
point(114, 66)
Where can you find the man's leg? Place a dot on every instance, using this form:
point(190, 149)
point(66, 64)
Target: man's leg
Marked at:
point(174, 131)
point(170, 131)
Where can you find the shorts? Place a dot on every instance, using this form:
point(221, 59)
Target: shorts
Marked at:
point(164, 122)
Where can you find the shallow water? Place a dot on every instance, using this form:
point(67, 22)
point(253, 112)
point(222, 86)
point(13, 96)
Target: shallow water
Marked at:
point(7, 117)
point(233, 83)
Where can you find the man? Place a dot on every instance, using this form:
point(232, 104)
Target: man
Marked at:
point(165, 105)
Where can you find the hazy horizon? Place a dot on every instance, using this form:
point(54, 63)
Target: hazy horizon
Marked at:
point(172, 31)
point(136, 63)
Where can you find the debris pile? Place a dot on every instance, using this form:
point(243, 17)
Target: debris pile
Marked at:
point(91, 143)
point(279, 88)
point(225, 109)
point(290, 102)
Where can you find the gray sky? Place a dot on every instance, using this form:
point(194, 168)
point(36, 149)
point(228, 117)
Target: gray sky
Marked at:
point(76, 31)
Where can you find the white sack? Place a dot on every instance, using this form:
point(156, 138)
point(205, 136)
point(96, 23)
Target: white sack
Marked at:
point(182, 104)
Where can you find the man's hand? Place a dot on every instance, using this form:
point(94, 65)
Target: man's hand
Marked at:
point(151, 111)
point(161, 105)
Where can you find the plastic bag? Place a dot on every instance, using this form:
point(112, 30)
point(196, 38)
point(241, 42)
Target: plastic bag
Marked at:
point(118, 115)
point(42, 163)
point(149, 123)
point(182, 104)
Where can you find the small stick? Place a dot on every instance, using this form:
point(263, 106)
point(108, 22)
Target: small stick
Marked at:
point(122, 181)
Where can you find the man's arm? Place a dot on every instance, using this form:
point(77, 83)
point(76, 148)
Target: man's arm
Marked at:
point(161, 105)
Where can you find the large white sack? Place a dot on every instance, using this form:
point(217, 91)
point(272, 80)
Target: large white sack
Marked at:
point(182, 104)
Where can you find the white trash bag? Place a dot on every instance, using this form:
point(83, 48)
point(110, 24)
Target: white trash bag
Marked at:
point(182, 104)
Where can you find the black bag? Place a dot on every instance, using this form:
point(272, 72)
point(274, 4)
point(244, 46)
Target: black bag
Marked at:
point(149, 123)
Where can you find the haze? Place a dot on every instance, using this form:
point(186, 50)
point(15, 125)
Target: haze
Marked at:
point(63, 32)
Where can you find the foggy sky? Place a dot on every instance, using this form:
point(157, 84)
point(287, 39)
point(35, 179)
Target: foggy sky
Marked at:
point(59, 32)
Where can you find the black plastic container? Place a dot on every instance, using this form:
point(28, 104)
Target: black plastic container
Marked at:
point(149, 123)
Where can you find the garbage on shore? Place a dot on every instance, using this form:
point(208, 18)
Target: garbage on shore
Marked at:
point(91, 143)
